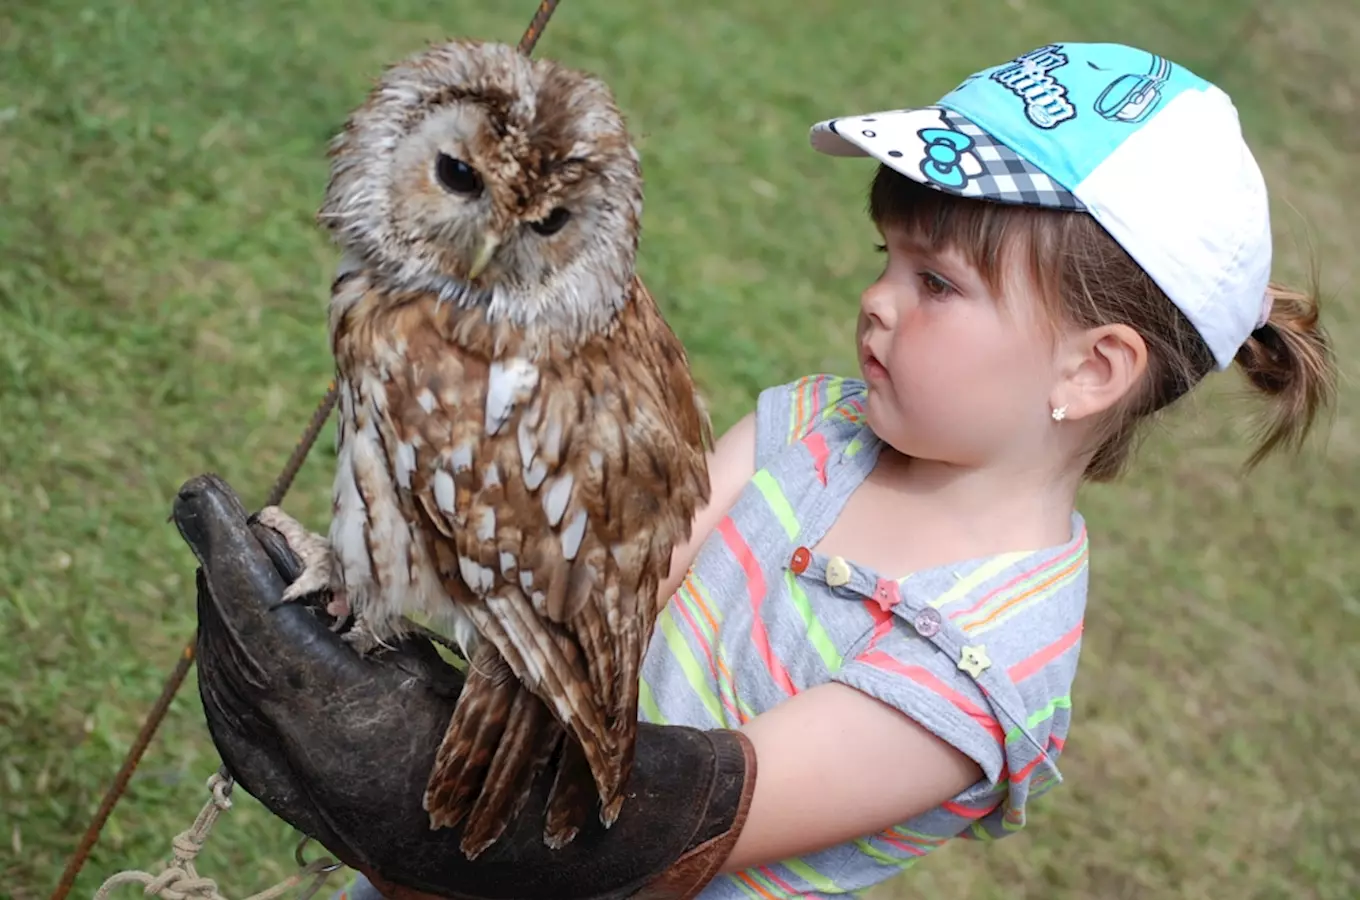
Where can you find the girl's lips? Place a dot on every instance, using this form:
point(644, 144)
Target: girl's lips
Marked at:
point(873, 369)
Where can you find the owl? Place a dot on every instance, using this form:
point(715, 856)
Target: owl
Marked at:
point(520, 443)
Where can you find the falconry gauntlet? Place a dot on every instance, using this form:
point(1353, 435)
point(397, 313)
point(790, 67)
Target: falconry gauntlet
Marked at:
point(340, 745)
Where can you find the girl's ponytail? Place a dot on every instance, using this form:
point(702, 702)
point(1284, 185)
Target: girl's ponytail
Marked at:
point(1290, 360)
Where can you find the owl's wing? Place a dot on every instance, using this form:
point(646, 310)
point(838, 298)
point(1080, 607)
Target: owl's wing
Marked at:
point(553, 493)
point(657, 486)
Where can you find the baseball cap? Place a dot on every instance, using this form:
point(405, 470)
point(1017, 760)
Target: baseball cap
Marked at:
point(1149, 149)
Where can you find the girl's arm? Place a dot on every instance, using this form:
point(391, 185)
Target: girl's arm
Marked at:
point(834, 764)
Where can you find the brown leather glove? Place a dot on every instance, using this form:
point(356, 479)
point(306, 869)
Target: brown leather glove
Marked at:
point(339, 745)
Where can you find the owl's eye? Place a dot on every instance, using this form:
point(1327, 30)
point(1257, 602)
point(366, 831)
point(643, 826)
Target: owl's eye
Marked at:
point(457, 176)
point(553, 223)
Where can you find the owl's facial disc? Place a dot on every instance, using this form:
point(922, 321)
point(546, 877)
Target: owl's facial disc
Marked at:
point(493, 180)
point(460, 181)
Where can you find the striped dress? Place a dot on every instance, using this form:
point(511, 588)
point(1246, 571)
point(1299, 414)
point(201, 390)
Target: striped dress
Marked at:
point(982, 653)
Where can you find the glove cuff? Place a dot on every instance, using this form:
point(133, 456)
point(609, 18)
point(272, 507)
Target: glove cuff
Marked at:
point(734, 782)
point(722, 766)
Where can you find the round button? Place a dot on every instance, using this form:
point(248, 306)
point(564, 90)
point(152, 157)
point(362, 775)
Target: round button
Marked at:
point(927, 622)
point(801, 557)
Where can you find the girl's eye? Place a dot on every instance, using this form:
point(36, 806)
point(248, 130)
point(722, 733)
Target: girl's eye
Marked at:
point(881, 248)
point(935, 285)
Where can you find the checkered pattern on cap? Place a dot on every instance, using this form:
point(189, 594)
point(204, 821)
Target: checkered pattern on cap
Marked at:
point(1006, 177)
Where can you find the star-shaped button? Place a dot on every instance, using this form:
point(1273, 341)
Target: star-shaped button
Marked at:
point(885, 594)
point(973, 660)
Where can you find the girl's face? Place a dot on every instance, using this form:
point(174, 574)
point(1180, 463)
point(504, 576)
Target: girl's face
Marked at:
point(954, 373)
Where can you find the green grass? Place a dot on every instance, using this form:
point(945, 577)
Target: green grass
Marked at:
point(162, 291)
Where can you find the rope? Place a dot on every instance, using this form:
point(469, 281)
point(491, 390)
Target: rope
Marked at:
point(179, 880)
point(304, 446)
point(536, 26)
point(181, 670)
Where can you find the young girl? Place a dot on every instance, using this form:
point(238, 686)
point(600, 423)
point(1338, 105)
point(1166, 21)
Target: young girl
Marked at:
point(886, 591)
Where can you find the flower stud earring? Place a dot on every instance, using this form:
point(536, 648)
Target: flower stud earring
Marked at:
point(1060, 413)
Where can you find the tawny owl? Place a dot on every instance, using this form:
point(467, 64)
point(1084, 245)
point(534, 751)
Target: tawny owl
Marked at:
point(521, 444)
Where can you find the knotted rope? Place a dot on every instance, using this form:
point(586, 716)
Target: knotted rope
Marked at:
point(179, 880)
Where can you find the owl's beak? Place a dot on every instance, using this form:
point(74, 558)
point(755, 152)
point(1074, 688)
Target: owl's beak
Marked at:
point(490, 241)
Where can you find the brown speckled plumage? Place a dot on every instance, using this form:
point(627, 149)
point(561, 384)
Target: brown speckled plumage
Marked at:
point(520, 448)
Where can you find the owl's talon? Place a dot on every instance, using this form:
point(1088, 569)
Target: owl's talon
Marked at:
point(362, 638)
point(311, 549)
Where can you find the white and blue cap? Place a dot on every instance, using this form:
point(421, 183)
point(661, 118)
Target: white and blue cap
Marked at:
point(1149, 149)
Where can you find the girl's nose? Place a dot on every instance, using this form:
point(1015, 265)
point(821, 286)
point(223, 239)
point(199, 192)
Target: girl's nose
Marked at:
point(877, 302)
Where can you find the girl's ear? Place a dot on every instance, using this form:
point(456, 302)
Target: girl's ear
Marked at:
point(1097, 368)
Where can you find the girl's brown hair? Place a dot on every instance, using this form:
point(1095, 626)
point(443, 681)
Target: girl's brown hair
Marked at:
point(1088, 280)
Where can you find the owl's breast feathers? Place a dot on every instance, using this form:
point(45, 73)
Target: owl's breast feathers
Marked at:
point(547, 484)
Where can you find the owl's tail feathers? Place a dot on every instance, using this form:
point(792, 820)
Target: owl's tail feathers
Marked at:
point(471, 740)
point(572, 798)
point(530, 737)
point(623, 727)
point(636, 624)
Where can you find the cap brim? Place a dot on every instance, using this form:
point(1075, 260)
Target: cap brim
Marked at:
point(827, 139)
point(940, 148)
